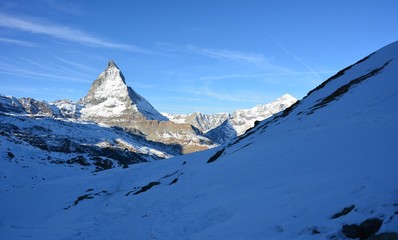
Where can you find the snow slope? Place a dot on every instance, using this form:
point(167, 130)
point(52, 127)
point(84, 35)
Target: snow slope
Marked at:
point(283, 179)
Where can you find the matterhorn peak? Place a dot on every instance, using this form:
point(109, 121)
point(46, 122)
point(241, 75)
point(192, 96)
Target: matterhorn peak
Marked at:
point(110, 97)
point(109, 84)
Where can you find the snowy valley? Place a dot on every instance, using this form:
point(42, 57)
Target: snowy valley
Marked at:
point(310, 169)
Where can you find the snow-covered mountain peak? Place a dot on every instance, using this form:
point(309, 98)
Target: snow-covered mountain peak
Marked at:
point(243, 119)
point(286, 97)
point(109, 84)
point(109, 97)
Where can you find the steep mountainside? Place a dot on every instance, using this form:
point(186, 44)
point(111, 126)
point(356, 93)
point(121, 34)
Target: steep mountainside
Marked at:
point(324, 168)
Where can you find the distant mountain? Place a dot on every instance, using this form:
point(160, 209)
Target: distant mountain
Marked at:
point(324, 168)
point(242, 120)
point(224, 127)
point(13, 105)
point(201, 121)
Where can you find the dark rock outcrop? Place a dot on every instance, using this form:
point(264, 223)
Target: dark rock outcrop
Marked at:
point(366, 229)
point(384, 236)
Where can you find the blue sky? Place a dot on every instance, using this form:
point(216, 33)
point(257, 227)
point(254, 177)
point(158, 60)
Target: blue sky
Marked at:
point(185, 56)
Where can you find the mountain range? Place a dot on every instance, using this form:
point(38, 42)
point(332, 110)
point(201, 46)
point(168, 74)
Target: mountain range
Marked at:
point(111, 102)
point(323, 168)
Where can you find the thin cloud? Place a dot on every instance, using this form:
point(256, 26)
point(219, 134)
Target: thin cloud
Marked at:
point(299, 60)
point(17, 71)
point(52, 68)
point(16, 42)
point(259, 75)
point(63, 33)
point(227, 54)
point(237, 96)
point(215, 53)
point(43, 93)
point(233, 97)
point(36, 63)
point(72, 63)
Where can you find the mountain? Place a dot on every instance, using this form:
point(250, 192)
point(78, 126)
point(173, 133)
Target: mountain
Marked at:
point(242, 120)
point(224, 127)
point(201, 121)
point(111, 101)
point(27, 106)
point(72, 141)
point(221, 128)
point(324, 168)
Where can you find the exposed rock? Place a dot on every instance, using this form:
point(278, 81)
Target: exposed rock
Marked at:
point(384, 236)
point(79, 160)
point(364, 230)
point(146, 187)
point(41, 108)
point(371, 226)
point(10, 155)
point(343, 212)
point(216, 156)
point(10, 105)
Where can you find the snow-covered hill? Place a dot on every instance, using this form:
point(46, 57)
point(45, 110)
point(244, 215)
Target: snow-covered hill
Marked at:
point(310, 172)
